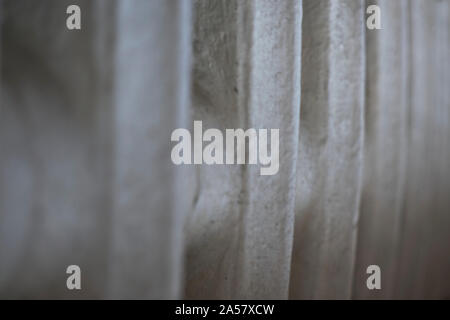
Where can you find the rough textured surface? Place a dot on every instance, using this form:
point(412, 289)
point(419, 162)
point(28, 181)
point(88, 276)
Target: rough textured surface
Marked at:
point(85, 170)
point(330, 151)
point(246, 75)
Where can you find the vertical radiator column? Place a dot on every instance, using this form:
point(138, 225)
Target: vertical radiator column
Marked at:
point(423, 258)
point(151, 100)
point(54, 141)
point(246, 75)
point(329, 167)
point(386, 123)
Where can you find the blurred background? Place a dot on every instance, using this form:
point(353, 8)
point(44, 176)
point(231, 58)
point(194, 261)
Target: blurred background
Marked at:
point(86, 176)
